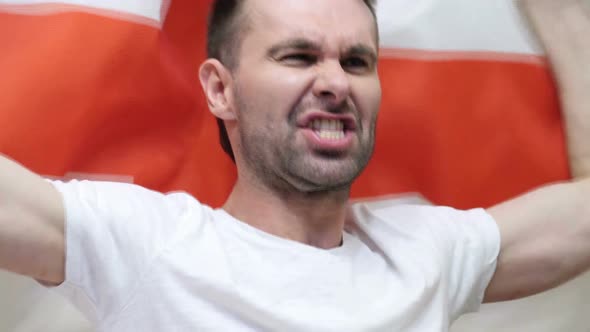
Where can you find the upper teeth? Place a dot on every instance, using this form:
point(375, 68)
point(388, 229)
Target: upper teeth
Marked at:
point(324, 125)
point(328, 129)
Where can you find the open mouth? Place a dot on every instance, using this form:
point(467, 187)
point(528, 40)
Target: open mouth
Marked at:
point(329, 132)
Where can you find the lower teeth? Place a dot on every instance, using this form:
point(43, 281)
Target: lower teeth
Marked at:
point(331, 135)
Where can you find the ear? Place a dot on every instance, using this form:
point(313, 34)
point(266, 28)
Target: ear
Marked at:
point(216, 81)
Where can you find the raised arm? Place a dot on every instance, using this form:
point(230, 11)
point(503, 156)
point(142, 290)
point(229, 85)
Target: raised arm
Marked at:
point(564, 29)
point(546, 233)
point(31, 224)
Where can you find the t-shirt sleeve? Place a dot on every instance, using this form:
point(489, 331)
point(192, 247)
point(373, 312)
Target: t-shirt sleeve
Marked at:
point(113, 233)
point(458, 249)
point(470, 244)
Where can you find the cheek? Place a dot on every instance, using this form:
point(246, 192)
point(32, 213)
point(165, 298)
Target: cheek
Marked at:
point(368, 97)
point(276, 86)
point(287, 89)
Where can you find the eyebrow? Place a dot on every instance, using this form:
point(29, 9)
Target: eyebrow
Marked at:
point(301, 44)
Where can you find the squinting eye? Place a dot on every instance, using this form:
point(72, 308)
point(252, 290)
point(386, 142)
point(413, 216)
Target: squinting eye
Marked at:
point(355, 63)
point(298, 59)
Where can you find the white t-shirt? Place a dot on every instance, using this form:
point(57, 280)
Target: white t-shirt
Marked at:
point(138, 260)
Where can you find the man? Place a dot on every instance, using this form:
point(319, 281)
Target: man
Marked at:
point(298, 92)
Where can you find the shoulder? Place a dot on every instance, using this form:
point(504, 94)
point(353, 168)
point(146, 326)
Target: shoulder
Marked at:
point(127, 204)
point(419, 220)
point(116, 193)
point(412, 209)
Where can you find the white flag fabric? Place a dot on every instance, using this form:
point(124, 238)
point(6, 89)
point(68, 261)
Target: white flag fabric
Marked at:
point(152, 10)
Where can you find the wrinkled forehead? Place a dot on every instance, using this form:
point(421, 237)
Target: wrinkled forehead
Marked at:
point(333, 23)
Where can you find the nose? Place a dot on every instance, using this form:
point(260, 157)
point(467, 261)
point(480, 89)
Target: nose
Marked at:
point(332, 83)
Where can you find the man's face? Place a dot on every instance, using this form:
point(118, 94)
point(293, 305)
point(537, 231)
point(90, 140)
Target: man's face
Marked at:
point(307, 93)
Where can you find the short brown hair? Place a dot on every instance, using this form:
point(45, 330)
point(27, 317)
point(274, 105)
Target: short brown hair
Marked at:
point(224, 31)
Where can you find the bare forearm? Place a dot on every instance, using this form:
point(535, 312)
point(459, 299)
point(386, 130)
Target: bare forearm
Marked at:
point(31, 224)
point(563, 27)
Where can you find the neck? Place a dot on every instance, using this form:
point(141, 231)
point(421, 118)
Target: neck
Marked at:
point(315, 219)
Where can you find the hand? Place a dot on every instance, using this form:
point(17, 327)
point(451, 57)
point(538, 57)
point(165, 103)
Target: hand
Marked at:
point(563, 27)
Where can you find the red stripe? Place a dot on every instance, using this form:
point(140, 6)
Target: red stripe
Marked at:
point(432, 55)
point(465, 133)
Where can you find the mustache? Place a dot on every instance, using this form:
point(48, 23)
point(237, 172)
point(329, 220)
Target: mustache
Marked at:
point(343, 107)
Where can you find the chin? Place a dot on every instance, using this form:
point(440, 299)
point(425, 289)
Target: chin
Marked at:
point(329, 180)
point(321, 173)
